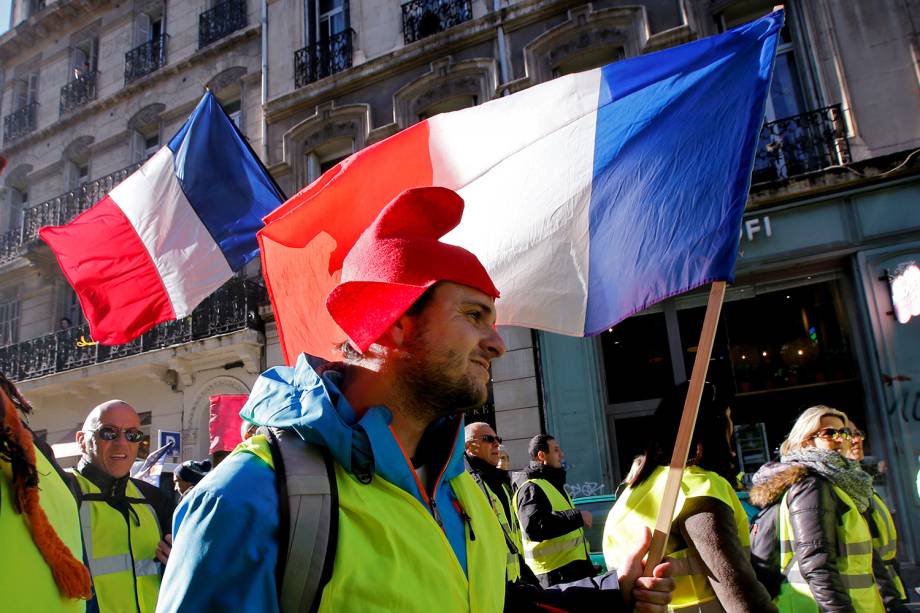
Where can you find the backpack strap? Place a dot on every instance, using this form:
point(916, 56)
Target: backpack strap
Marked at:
point(308, 515)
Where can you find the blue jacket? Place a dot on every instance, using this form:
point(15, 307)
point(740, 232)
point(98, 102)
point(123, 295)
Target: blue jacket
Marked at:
point(225, 541)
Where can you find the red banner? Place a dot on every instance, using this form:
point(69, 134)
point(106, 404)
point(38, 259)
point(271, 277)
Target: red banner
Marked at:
point(225, 422)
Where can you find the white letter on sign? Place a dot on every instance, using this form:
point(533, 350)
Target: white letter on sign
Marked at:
point(752, 227)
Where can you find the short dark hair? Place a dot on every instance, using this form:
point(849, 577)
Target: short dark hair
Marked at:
point(539, 443)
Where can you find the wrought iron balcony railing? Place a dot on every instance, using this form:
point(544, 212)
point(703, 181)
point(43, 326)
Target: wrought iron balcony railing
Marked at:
point(62, 209)
point(10, 242)
point(233, 307)
point(423, 18)
point(146, 58)
point(801, 144)
point(79, 92)
point(20, 122)
point(223, 19)
point(324, 58)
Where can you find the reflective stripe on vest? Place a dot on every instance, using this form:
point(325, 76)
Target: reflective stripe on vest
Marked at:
point(545, 556)
point(854, 562)
point(391, 554)
point(121, 582)
point(637, 508)
point(886, 543)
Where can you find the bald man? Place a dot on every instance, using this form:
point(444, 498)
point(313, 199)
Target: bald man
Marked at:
point(125, 522)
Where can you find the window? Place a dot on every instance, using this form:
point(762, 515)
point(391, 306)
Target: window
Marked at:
point(148, 26)
point(637, 359)
point(70, 314)
point(145, 143)
point(25, 90)
point(19, 201)
point(83, 57)
point(327, 155)
point(235, 110)
point(330, 19)
point(9, 320)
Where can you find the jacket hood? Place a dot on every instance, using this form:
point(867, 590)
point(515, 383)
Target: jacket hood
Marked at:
point(772, 481)
point(307, 398)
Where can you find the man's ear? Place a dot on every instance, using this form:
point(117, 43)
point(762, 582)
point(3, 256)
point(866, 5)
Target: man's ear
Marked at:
point(397, 334)
point(81, 440)
point(541, 456)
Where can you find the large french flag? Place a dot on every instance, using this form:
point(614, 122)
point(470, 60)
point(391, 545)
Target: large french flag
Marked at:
point(171, 233)
point(588, 198)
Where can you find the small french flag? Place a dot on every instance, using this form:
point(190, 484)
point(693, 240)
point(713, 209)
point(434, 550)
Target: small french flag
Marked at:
point(171, 233)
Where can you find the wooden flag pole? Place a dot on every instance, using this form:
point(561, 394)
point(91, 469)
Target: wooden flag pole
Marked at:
point(687, 423)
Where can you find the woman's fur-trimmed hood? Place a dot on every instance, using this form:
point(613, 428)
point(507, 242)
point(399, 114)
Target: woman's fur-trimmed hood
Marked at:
point(772, 481)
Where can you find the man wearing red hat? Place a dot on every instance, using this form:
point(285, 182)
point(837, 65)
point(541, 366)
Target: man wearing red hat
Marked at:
point(410, 530)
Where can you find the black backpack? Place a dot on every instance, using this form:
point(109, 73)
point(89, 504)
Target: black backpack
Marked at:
point(765, 548)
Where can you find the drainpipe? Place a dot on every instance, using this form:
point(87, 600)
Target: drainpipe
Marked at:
point(264, 21)
point(503, 67)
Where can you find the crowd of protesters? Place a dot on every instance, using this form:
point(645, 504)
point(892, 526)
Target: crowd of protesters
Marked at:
point(358, 488)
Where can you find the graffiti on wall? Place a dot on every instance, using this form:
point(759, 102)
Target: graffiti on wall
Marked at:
point(585, 488)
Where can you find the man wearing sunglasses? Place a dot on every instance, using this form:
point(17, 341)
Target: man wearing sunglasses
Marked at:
point(481, 458)
point(125, 522)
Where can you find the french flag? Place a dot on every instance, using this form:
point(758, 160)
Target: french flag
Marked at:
point(588, 198)
point(171, 233)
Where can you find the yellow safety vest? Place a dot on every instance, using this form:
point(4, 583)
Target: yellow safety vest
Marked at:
point(854, 563)
point(637, 508)
point(26, 583)
point(391, 555)
point(545, 556)
point(886, 543)
point(511, 527)
point(121, 551)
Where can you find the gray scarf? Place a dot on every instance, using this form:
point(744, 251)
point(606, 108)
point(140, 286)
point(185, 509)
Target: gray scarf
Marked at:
point(845, 474)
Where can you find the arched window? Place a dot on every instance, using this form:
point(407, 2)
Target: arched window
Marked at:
point(145, 129)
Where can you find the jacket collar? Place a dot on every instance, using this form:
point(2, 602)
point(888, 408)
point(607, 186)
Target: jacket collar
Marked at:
point(107, 484)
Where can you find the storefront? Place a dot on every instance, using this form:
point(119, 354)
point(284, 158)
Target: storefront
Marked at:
point(809, 321)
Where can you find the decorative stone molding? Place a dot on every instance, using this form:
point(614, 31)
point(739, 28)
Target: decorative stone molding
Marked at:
point(447, 79)
point(147, 116)
point(586, 31)
point(328, 123)
point(18, 177)
point(78, 149)
point(226, 79)
point(222, 384)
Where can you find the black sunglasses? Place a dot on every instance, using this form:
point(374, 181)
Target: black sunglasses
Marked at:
point(834, 433)
point(110, 433)
point(488, 438)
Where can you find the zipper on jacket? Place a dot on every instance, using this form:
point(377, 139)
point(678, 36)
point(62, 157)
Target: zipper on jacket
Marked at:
point(466, 518)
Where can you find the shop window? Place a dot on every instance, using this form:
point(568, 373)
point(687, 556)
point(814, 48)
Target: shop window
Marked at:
point(637, 362)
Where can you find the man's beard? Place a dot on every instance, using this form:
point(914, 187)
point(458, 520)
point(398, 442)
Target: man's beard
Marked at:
point(426, 391)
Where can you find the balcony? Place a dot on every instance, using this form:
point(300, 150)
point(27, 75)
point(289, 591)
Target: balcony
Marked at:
point(145, 59)
point(20, 122)
point(327, 57)
point(79, 92)
point(801, 144)
point(223, 19)
point(232, 307)
point(422, 18)
point(58, 211)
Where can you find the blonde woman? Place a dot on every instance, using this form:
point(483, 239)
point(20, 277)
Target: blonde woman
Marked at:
point(825, 546)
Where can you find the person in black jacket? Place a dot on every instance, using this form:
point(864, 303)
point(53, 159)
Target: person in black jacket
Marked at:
point(541, 522)
point(812, 470)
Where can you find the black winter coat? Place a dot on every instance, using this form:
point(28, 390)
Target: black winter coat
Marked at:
point(540, 523)
point(814, 511)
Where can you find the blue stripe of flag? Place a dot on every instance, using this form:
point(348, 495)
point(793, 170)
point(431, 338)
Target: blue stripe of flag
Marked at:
point(674, 149)
point(223, 180)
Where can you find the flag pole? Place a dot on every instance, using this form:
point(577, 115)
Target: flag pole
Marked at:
point(687, 423)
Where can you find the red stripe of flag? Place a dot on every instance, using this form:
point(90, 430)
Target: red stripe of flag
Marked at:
point(111, 270)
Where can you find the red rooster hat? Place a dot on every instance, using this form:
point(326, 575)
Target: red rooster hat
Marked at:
point(399, 257)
